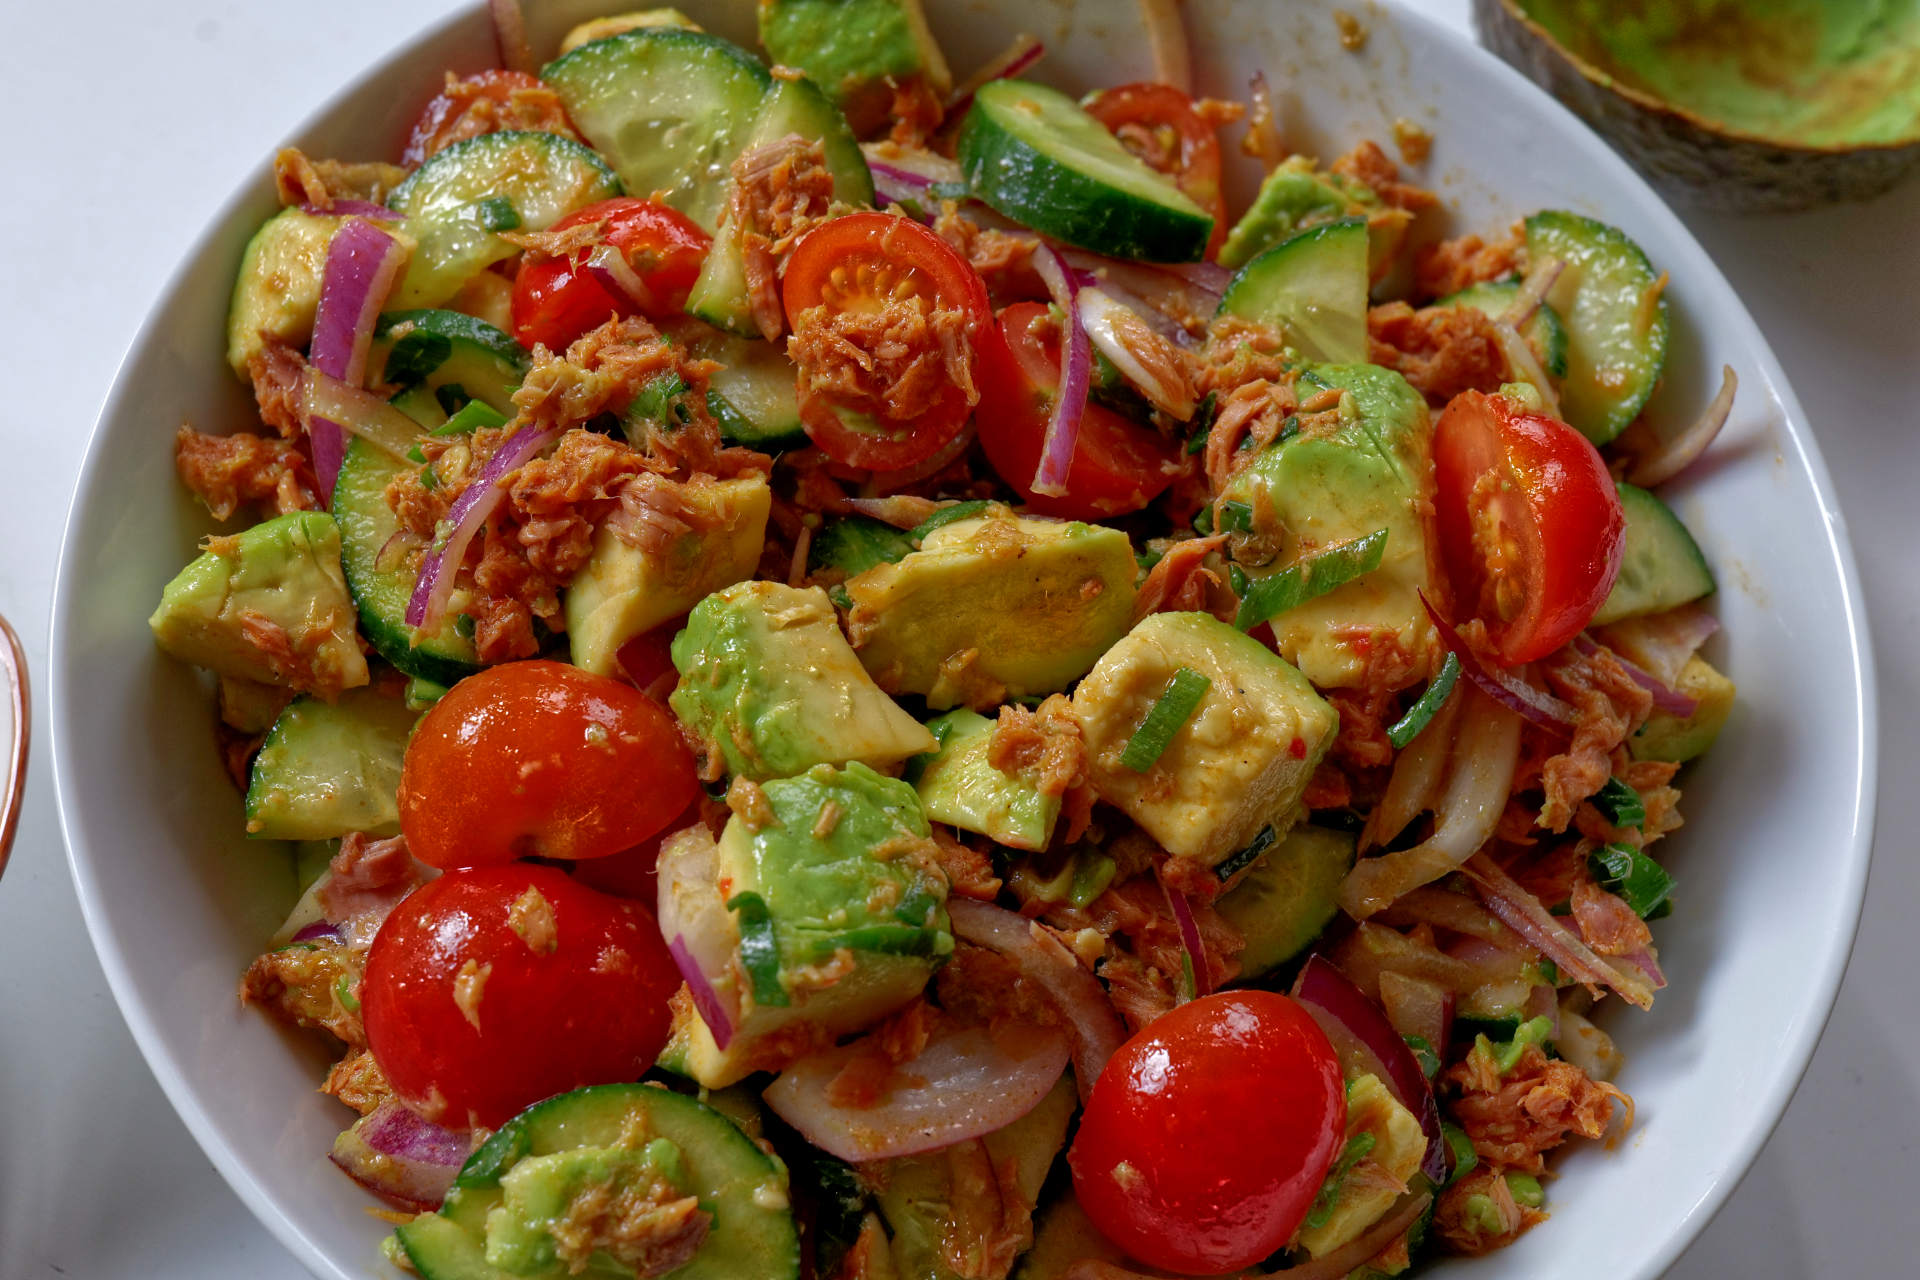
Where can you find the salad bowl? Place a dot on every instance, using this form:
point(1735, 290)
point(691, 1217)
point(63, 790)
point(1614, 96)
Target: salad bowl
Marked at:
point(1772, 864)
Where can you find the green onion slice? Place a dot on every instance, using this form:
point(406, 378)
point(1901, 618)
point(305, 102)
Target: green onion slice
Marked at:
point(1640, 881)
point(1620, 804)
point(1316, 575)
point(1170, 710)
point(1408, 727)
point(472, 416)
point(759, 949)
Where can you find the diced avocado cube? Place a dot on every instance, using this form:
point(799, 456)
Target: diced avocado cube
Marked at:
point(1324, 486)
point(540, 1192)
point(992, 608)
point(1666, 736)
point(278, 289)
point(624, 590)
point(959, 787)
point(842, 866)
point(1296, 196)
point(268, 604)
point(614, 24)
point(858, 51)
point(1397, 1146)
point(1239, 763)
point(768, 681)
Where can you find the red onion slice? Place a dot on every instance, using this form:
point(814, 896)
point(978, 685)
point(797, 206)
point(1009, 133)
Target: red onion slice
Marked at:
point(1022, 54)
point(1664, 697)
point(510, 35)
point(361, 266)
point(1661, 643)
point(701, 934)
point(894, 185)
point(1673, 456)
point(318, 931)
point(356, 411)
point(1191, 942)
point(1511, 692)
point(616, 275)
point(1096, 1029)
point(441, 565)
point(1363, 1248)
point(965, 1083)
point(1167, 40)
point(1076, 376)
point(1368, 1045)
point(1522, 912)
point(1533, 291)
point(706, 1001)
point(405, 1160)
point(1524, 366)
point(1120, 334)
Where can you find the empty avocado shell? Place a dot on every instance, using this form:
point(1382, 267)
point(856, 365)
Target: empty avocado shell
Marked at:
point(1741, 105)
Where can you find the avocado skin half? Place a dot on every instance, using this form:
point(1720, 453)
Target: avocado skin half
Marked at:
point(1688, 159)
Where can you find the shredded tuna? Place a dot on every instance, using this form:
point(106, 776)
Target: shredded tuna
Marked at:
point(1606, 922)
point(1361, 741)
point(1247, 418)
point(488, 103)
point(296, 661)
point(1140, 993)
point(1514, 1121)
point(1608, 706)
point(780, 189)
point(989, 1223)
point(1004, 259)
point(229, 472)
point(300, 180)
point(969, 872)
point(1444, 269)
point(532, 921)
point(1478, 1214)
point(278, 373)
point(366, 879)
point(1442, 351)
point(638, 1220)
point(1135, 912)
point(982, 988)
point(1368, 164)
point(358, 1081)
point(1043, 746)
point(302, 985)
point(899, 358)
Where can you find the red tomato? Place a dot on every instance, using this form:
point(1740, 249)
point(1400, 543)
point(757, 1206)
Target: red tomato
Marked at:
point(647, 659)
point(1529, 523)
point(443, 121)
point(488, 990)
point(555, 300)
point(1117, 467)
point(1157, 122)
point(630, 873)
point(1208, 1134)
point(540, 758)
point(857, 267)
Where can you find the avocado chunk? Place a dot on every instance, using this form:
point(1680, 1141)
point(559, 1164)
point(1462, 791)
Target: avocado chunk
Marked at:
point(330, 768)
point(834, 878)
point(647, 1186)
point(1383, 1132)
point(992, 608)
point(859, 51)
point(278, 289)
point(959, 787)
point(625, 590)
point(1239, 763)
point(768, 681)
point(1296, 196)
point(1666, 736)
point(268, 604)
point(1336, 480)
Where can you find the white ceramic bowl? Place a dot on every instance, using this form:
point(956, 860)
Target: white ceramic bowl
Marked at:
point(1771, 865)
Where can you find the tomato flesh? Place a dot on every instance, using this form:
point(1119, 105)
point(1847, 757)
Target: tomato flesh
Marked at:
point(1158, 123)
point(1208, 1134)
point(540, 758)
point(862, 277)
point(1117, 466)
point(489, 989)
point(556, 300)
point(442, 121)
point(1529, 523)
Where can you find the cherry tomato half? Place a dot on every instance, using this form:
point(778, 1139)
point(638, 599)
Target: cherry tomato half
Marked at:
point(1530, 527)
point(1157, 123)
point(540, 758)
point(488, 990)
point(555, 300)
point(1117, 466)
point(850, 278)
point(1208, 1134)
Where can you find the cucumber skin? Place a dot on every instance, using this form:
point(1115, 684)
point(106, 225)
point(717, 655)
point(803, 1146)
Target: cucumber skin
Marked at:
point(442, 165)
point(1661, 566)
point(1602, 421)
point(1033, 189)
point(1255, 288)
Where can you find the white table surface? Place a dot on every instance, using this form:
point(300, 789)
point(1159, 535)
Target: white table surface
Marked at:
point(130, 120)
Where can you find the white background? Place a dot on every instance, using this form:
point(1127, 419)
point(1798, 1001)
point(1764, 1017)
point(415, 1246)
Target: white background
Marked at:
point(129, 121)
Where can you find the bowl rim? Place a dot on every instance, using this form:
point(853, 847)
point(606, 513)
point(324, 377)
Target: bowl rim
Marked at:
point(1646, 101)
point(1830, 965)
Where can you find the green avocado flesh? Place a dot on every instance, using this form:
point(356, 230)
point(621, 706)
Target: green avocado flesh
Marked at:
point(1813, 73)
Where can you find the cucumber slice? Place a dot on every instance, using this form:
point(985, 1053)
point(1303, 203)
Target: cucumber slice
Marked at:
point(1288, 897)
point(449, 356)
point(670, 108)
point(1661, 567)
point(1314, 284)
point(719, 295)
point(1616, 342)
point(741, 1186)
point(380, 588)
point(329, 768)
point(1544, 332)
point(452, 211)
point(1034, 155)
point(753, 394)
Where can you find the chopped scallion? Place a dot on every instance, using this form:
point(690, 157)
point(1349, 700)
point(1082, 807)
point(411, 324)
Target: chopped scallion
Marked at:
point(1408, 727)
point(759, 949)
point(1234, 863)
point(343, 992)
point(1640, 881)
point(1620, 804)
point(497, 214)
point(1169, 711)
point(1316, 575)
point(469, 418)
point(948, 515)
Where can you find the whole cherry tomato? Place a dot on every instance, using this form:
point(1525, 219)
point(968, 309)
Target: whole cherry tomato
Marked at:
point(1118, 466)
point(490, 989)
point(1158, 123)
point(1529, 523)
point(867, 269)
point(555, 300)
point(1208, 1134)
point(540, 758)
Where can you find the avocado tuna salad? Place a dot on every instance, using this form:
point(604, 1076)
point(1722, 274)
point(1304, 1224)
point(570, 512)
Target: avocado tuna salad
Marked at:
point(858, 679)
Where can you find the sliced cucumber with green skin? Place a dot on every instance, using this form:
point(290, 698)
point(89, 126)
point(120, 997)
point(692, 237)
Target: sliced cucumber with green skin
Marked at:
point(381, 588)
point(752, 1233)
point(450, 218)
point(432, 351)
point(1314, 285)
point(719, 295)
point(1289, 896)
point(1661, 566)
point(754, 394)
point(1617, 328)
point(330, 768)
point(1036, 156)
point(670, 108)
point(1545, 332)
